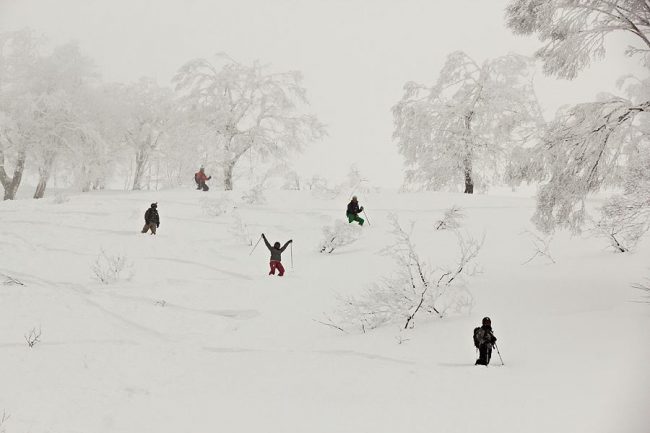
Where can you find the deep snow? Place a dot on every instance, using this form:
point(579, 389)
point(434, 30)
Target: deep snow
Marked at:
point(202, 339)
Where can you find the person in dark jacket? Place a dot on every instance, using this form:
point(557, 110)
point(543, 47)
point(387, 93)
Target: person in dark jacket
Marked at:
point(484, 341)
point(354, 210)
point(200, 178)
point(276, 255)
point(151, 219)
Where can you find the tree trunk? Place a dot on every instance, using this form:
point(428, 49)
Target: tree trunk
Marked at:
point(44, 176)
point(469, 182)
point(86, 182)
point(40, 188)
point(140, 160)
point(467, 161)
point(228, 168)
point(11, 185)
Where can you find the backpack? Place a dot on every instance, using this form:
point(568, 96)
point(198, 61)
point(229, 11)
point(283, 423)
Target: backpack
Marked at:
point(482, 336)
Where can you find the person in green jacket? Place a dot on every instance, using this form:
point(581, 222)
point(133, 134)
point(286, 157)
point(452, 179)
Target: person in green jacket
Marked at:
point(353, 211)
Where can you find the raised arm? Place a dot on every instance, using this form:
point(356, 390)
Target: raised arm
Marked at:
point(268, 245)
point(286, 245)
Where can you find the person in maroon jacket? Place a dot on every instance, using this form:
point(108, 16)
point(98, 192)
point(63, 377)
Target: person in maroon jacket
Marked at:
point(200, 178)
point(276, 255)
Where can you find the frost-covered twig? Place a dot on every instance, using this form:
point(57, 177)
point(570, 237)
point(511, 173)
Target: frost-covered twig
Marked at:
point(541, 247)
point(255, 195)
point(329, 322)
point(415, 287)
point(108, 269)
point(216, 206)
point(60, 198)
point(239, 230)
point(623, 222)
point(451, 219)
point(33, 337)
point(339, 235)
point(11, 281)
point(400, 338)
point(319, 188)
point(3, 420)
point(645, 287)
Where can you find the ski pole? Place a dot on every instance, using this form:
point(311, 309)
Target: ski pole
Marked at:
point(364, 214)
point(258, 241)
point(291, 255)
point(497, 348)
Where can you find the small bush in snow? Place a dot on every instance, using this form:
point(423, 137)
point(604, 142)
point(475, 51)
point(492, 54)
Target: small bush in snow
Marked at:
point(356, 182)
point(320, 188)
point(622, 223)
point(8, 280)
point(255, 195)
point(291, 181)
point(33, 337)
point(451, 219)
point(3, 420)
point(109, 269)
point(541, 247)
point(339, 235)
point(60, 198)
point(644, 287)
point(216, 206)
point(415, 287)
point(240, 231)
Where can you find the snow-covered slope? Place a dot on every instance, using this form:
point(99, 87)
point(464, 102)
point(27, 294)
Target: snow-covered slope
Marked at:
point(202, 339)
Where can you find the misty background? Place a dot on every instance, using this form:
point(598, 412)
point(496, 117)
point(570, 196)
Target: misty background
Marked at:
point(355, 56)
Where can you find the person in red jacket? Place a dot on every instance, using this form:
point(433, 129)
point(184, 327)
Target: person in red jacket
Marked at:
point(200, 178)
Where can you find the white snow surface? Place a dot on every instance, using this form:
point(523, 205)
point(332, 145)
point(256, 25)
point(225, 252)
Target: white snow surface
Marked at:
point(202, 339)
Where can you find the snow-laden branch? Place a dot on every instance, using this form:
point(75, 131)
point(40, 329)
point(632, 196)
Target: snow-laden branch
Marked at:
point(574, 32)
point(415, 287)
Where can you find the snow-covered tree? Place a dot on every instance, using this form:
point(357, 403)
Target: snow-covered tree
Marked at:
point(64, 77)
point(146, 109)
point(44, 106)
point(575, 31)
point(18, 58)
point(585, 146)
point(247, 108)
point(580, 152)
point(458, 130)
point(622, 223)
point(182, 150)
point(98, 148)
point(625, 217)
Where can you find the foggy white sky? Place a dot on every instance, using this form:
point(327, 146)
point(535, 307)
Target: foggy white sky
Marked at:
point(355, 55)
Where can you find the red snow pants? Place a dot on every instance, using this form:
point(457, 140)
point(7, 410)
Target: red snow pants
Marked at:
point(276, 265)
